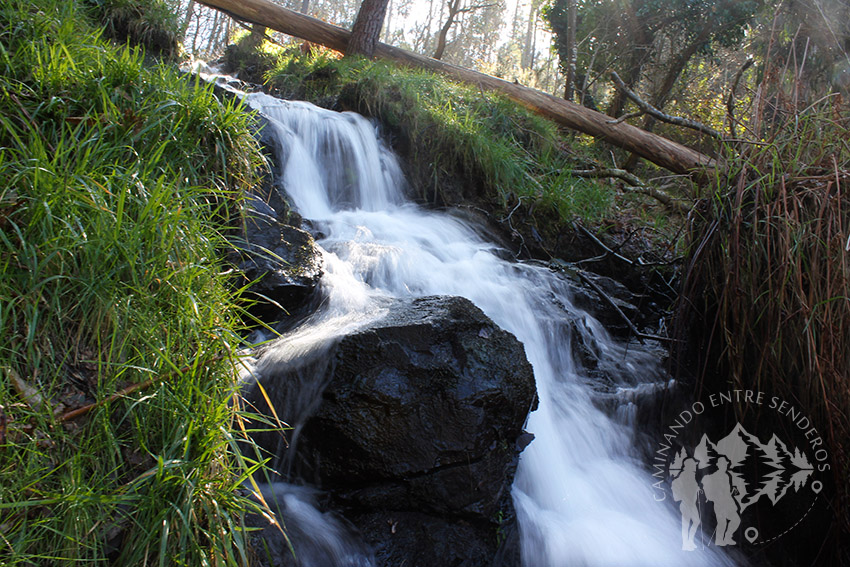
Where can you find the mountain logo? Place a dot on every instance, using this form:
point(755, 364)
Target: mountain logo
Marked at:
point(721, 485)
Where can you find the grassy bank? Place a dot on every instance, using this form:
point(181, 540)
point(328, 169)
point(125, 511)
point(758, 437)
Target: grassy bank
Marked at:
point(116, 180)
point(461, 144)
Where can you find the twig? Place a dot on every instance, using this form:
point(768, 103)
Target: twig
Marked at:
point(625, 117)
point(74, 414)
point(510, 224)
point(266, 35)
point(510, 214)
point(613, 253)
point(621, 174)
point(603, 246)
point(475, 7)
point(663, 198)
point(730, 100)
point(652, 111)
point(636, 185)
point(607, 299)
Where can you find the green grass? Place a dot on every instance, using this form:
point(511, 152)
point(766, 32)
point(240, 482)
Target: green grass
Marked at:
point(461, 143)
point(149, 23)
point(116, 184)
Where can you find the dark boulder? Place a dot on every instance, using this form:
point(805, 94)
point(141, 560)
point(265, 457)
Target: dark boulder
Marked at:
point(423, 413)
point(421, 540)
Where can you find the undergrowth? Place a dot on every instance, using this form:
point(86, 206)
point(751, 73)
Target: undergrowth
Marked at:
point(463, 144)
point(115, 184)
point(149, 23)
point(769, 276)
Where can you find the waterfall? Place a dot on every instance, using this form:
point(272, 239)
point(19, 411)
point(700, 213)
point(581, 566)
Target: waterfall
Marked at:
point(582, 495)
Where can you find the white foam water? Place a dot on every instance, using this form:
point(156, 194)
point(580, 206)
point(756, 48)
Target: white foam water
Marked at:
point(319, 539)
point(582, 495)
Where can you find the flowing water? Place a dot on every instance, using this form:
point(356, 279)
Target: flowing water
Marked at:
point(582, 494)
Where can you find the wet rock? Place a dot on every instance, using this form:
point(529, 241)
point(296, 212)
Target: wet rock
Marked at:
point(423, 413)
point(416, 539)
point(588, 299)
point(281, 260)
point(305, 535)
point(270, 251)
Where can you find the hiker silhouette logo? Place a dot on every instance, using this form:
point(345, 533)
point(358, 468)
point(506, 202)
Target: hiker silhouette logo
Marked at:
point(721, 486)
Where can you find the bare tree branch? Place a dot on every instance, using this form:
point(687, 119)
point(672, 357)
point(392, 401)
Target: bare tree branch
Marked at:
point(625, 117)
point(454, 9)
point(730, 100)
point(611, 303)
point(654, 112)
point(475, 7)
point(636, 185)
point(124, 392)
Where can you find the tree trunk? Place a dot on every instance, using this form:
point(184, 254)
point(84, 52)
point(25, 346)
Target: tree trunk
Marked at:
point(572, 52)
point(454, 8)
point(640, 38)
point(212, 36)
point(674, 70)
point(305, 7)
point(388, 28)
point(367, 27)
point(527, 59)
point(661, 151)
point(515, 26)
point(188, 19)
point(428, 26)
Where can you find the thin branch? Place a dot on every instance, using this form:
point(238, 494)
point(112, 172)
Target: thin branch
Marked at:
point(511, 226)
point(730, 100)
point(602, 245)
point(621, 174)
point(607, 299)
point(636, 185)
point(614, 254)
point(663, 198)
point(474, 7)
point(654, 112)
point(266, 36)
point(625, 117)
point(124, 392)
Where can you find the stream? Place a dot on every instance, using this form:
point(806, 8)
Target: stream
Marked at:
point(582, 494)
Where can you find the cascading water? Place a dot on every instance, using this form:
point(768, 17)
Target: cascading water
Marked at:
point(581, 494)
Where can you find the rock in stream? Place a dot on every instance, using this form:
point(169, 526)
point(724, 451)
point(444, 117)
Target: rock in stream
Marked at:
point(421, 423)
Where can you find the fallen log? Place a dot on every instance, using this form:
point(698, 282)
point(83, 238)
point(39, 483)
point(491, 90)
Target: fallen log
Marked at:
point(661, 151)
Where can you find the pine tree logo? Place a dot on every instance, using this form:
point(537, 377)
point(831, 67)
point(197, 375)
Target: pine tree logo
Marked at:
point(732, 475)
